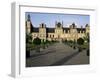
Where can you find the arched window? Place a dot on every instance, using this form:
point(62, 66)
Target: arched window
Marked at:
point(53, 36)
point(50, 36)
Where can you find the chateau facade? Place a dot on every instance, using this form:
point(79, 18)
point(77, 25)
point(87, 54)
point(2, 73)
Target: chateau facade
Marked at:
point(58, 33)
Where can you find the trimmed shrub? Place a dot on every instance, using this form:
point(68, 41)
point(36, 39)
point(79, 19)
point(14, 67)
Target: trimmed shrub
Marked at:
point(80, 41)
point(37, 41)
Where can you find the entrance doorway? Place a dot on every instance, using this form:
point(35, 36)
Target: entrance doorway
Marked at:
point(59, 39)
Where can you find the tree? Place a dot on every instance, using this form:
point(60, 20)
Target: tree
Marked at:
point(80, 42)
point(37, 41)
point(28, 38)
point(70, 41)
point(65, 41)
point(74, 43)
point(28, 44)
point(87, 38)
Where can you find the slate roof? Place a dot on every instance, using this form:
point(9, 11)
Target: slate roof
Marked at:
point(81, 29)
point(35, 29)
point(66, 30)
point(50, 30)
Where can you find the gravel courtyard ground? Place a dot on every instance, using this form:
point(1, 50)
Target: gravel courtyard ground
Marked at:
point(57, 54)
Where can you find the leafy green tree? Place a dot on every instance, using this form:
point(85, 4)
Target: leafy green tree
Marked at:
point(86, 37)
point(80, 41)
point(28, 44)
point(70, 41)
point(28, 38)
point(37, 41)
point(65, 40)
point(74, 44)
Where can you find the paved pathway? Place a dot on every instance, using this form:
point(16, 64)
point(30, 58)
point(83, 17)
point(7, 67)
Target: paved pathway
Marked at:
point(81, 58)
point(56, 54)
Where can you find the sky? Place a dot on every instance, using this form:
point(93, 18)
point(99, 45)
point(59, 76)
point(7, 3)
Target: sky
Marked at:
point(50, 18)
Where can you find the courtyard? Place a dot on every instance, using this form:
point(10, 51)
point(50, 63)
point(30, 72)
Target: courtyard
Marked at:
point(57, 54)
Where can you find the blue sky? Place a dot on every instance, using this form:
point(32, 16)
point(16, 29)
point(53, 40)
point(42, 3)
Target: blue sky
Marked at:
point(50, 18)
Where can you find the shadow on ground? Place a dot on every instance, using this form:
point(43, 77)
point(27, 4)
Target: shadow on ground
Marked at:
point(65, 59)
